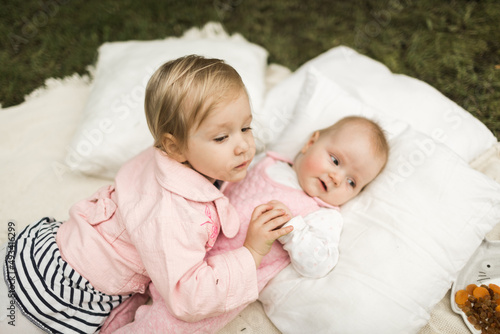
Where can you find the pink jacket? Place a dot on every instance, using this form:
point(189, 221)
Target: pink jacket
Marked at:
point(156, 224)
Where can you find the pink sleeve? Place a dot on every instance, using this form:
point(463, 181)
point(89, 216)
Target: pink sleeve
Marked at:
point(194, 288)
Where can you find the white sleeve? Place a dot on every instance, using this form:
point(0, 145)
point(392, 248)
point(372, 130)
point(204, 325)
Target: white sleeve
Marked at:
point(313, 243)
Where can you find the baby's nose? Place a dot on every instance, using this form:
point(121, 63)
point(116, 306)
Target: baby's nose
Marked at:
point(336, 178)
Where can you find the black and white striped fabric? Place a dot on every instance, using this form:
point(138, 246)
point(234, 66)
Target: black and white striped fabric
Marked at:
point(47, 290)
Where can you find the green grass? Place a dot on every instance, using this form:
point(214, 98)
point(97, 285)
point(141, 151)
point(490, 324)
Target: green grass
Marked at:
point(452, 45)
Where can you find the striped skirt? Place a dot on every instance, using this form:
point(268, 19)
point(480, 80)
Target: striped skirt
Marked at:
point(47, 290)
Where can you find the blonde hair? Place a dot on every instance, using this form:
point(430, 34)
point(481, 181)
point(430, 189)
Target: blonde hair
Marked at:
point(377, 137)
point(182, 92)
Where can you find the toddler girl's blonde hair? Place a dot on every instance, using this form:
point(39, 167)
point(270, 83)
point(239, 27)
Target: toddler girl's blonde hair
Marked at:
point(182, 92)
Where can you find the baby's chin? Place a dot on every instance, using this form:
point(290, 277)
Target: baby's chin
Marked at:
point(325, 200)
point(335, 202)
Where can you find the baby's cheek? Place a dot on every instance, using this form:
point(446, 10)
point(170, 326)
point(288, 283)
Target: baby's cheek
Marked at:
point(312, 166)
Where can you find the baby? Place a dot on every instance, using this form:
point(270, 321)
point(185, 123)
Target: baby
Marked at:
point(333, 167)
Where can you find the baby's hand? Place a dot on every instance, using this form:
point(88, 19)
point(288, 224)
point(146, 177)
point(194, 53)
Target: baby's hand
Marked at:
point(265, 227)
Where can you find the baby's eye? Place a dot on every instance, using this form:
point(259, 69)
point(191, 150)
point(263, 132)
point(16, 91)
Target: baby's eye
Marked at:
point(220, 139)
point(351, 183)
point(334, 160)
point(246, 129)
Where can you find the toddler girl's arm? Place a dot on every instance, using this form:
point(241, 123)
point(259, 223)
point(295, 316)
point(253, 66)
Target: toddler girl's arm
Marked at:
point(313, 244)
point(193, 288)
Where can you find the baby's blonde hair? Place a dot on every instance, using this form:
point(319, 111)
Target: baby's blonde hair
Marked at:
point(377, 137)
point(182, 92)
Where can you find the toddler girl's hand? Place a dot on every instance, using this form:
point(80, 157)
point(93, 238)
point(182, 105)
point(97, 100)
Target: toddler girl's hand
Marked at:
point(265, 227)
point(278, 205)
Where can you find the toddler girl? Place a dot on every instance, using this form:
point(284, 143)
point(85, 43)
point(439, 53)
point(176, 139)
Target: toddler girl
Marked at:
point(159, 219)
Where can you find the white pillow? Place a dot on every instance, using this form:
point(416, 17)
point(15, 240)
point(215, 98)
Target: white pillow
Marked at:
point(321, 103)
point(114, 127)
point(400, 96)
point(405, 238)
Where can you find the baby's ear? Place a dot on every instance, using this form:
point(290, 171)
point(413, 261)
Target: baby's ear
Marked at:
point(171, 147)
point(314, 137)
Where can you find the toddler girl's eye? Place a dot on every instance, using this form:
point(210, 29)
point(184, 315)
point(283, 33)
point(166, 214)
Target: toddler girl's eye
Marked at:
point(334, 160)
point(352, 183)
point(246, 129)
point(220, 139)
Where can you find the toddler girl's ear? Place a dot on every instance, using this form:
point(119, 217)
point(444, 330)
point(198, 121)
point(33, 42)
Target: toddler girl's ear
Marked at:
point(314, 137)
point(171, 147)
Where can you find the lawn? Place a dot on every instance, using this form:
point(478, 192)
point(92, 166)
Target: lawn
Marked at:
point(452, 45)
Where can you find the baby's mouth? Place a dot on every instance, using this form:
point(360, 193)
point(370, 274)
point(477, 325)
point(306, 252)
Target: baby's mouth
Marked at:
point(323, 184)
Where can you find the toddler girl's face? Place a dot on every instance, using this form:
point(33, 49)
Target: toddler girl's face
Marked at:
point(337, 165)
point(222, 147)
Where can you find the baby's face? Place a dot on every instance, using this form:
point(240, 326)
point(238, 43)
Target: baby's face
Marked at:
point(337, 165)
